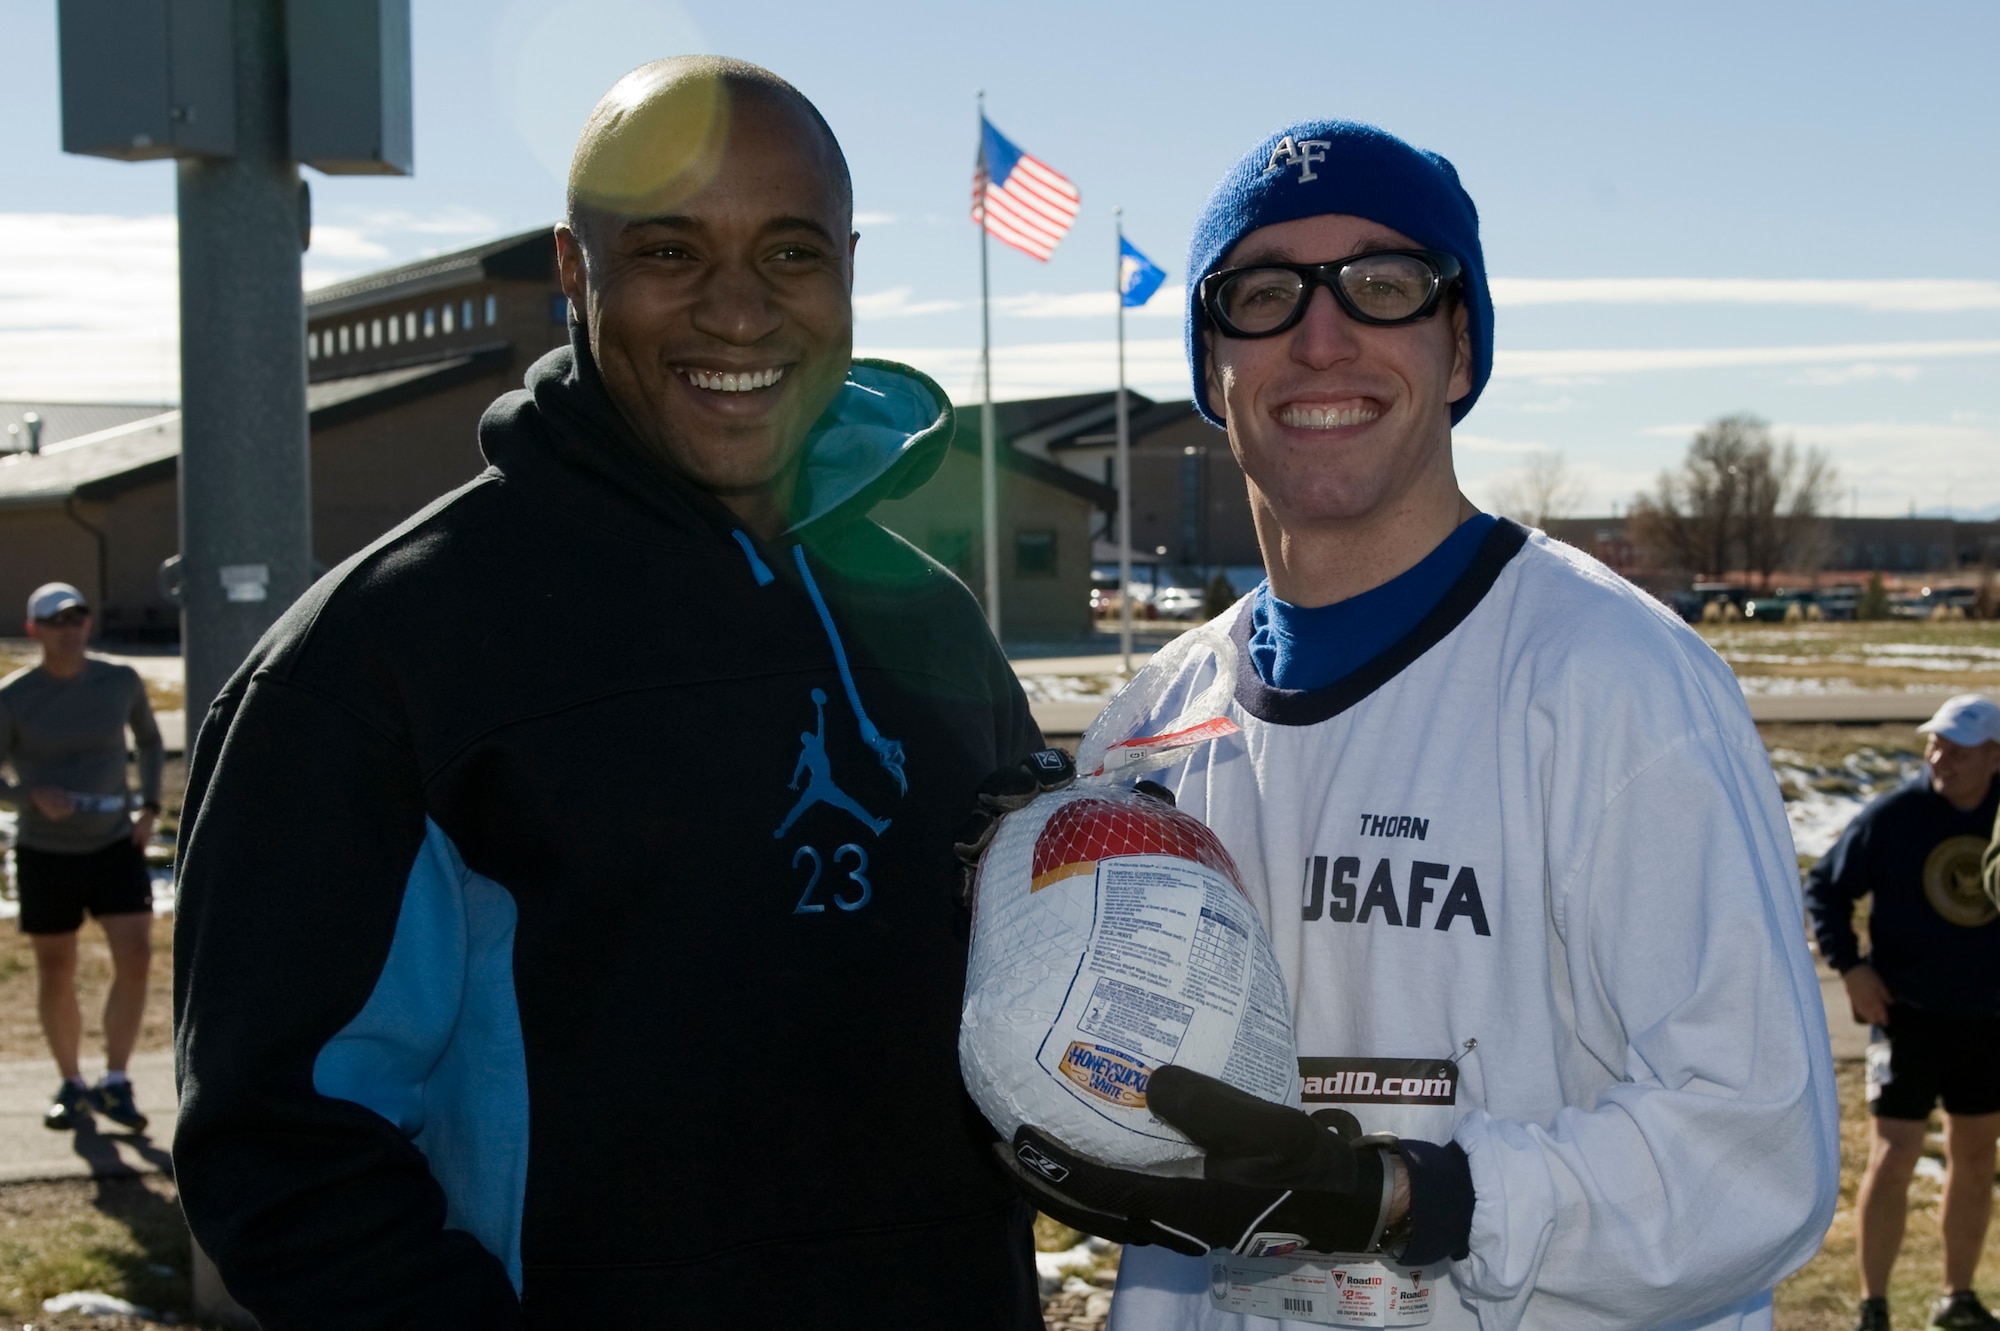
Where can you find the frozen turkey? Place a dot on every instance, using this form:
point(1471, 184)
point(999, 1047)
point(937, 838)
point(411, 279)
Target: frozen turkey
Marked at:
point(1112, 937)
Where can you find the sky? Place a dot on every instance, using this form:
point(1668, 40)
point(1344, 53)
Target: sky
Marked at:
point(1688, 211)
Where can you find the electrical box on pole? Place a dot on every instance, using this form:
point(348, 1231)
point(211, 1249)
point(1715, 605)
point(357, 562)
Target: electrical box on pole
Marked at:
point(350, 92)
point(145, 79)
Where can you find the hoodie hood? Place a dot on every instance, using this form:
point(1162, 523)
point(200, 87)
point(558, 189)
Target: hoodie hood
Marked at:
point(884, 435)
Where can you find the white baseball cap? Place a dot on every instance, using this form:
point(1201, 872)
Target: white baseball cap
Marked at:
point(1970, 718)
point(52, 598)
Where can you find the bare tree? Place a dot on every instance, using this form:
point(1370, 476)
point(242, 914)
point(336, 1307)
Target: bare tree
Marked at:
point(1541, 489)
point(1739, 500)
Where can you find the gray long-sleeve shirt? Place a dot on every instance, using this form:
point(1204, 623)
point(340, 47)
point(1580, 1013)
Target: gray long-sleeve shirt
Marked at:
point(70, 734)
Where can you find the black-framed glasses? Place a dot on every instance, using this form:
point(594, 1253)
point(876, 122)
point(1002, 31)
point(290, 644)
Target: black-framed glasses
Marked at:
point(1384, 288)
point(67, 618)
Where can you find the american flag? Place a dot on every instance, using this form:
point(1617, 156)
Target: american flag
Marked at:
point(1020, 201)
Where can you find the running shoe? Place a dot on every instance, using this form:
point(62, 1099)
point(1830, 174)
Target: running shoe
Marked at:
point(113, 1099)
point(1963, 1312)
point(69, 1110)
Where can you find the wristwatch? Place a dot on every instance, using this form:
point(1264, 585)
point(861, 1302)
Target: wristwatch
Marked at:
point(1395, 1234)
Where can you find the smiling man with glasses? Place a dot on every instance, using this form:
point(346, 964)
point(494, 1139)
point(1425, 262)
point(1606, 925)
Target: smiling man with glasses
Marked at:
point(1561, 1051)
point(82, 840)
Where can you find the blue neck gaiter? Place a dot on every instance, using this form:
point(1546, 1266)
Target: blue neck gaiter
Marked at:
point(1306, 648)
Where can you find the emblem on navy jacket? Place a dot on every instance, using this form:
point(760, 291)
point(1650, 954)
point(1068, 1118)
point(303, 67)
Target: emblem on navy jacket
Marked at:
point(1393, 895)
point(1951, 882)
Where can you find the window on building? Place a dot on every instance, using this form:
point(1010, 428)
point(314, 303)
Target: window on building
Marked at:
point(953, 549)
point(1034, 554)
point(395, 330)
point(447, 318)
point(1936, 557)
point(343, 339)
point(312, 346)
point(1908, 555)
point(430, 323)
point(375, 333)
point(410, 326)
point(492, 309)
point(465, 314)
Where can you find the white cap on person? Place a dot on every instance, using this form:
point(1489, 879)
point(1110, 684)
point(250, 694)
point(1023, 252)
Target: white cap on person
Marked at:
point(52, 598)
point(1969, 719)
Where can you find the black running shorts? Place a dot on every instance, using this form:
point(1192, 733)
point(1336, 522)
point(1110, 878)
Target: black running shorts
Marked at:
point(1933, 1057)
point(57, 888)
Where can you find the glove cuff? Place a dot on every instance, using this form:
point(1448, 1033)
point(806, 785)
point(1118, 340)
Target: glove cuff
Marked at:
point(1441, 1202)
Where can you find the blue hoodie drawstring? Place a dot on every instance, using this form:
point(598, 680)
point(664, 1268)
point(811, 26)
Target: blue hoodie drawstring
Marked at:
point(888, 752)
point(758, 568)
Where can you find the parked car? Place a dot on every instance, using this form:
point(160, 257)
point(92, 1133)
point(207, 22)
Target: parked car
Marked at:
point(1775, 607)
point(1178, 602)
point(1838, 601)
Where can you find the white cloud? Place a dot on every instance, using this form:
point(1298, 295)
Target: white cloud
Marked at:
point(344, 242)
point(1154, 366)
point(1861, 372)
point(453, 221)
point(1921, 295)
point(1934, 464)
point(1896, 463)
point(895, 303)
point(1486, 443)
point(1612, 360)
point(89, 307)
point(876, 219)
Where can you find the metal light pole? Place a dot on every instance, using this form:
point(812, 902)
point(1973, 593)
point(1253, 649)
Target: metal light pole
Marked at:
point(245, 498)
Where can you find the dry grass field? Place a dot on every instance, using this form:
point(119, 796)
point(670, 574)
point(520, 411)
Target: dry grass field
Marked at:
point(1896, 654)
point(1822, 1295)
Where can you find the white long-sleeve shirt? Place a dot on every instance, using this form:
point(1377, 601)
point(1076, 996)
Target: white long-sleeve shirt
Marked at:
point(1550, 828)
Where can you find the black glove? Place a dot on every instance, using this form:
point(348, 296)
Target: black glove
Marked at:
point(1000, 794)
point(1274, 1178)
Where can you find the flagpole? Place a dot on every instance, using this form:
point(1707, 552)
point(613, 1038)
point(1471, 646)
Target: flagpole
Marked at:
point(1124, 466)
point(989, 499)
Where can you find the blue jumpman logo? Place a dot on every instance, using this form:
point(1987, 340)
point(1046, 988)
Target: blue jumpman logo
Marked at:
point(814, 765)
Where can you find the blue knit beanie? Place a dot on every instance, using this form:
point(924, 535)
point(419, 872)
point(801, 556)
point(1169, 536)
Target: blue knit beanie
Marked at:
point(1342, 166)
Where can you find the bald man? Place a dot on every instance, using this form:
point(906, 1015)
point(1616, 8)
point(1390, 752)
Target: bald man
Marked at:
point(567, 930)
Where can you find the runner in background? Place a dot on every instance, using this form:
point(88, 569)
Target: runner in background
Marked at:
point(1930, 986)
point(81, 847)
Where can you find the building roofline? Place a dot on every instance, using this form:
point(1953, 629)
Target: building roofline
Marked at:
point(524, 254)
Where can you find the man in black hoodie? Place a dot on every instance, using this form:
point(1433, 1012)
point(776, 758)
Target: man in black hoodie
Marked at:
point(531, 980)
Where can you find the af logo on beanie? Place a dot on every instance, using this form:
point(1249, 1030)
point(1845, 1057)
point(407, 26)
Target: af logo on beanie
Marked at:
point(1324, 167)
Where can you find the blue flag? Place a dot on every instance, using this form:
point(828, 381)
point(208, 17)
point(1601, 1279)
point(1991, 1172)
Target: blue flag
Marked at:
point(1138, 276)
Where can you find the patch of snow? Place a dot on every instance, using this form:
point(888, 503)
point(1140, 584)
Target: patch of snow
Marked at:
point(94, 1303)
point(1070, 688)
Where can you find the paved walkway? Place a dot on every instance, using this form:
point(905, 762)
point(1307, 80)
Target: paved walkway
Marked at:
point(30, 1151)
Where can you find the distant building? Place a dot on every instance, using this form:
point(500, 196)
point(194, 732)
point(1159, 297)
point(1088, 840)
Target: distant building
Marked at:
point(1915, 549)
point(400, 366)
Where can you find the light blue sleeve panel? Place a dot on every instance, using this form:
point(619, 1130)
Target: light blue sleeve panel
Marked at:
point(437, 1048)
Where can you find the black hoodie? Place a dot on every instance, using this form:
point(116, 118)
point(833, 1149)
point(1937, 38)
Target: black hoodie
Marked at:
point(567, 931)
